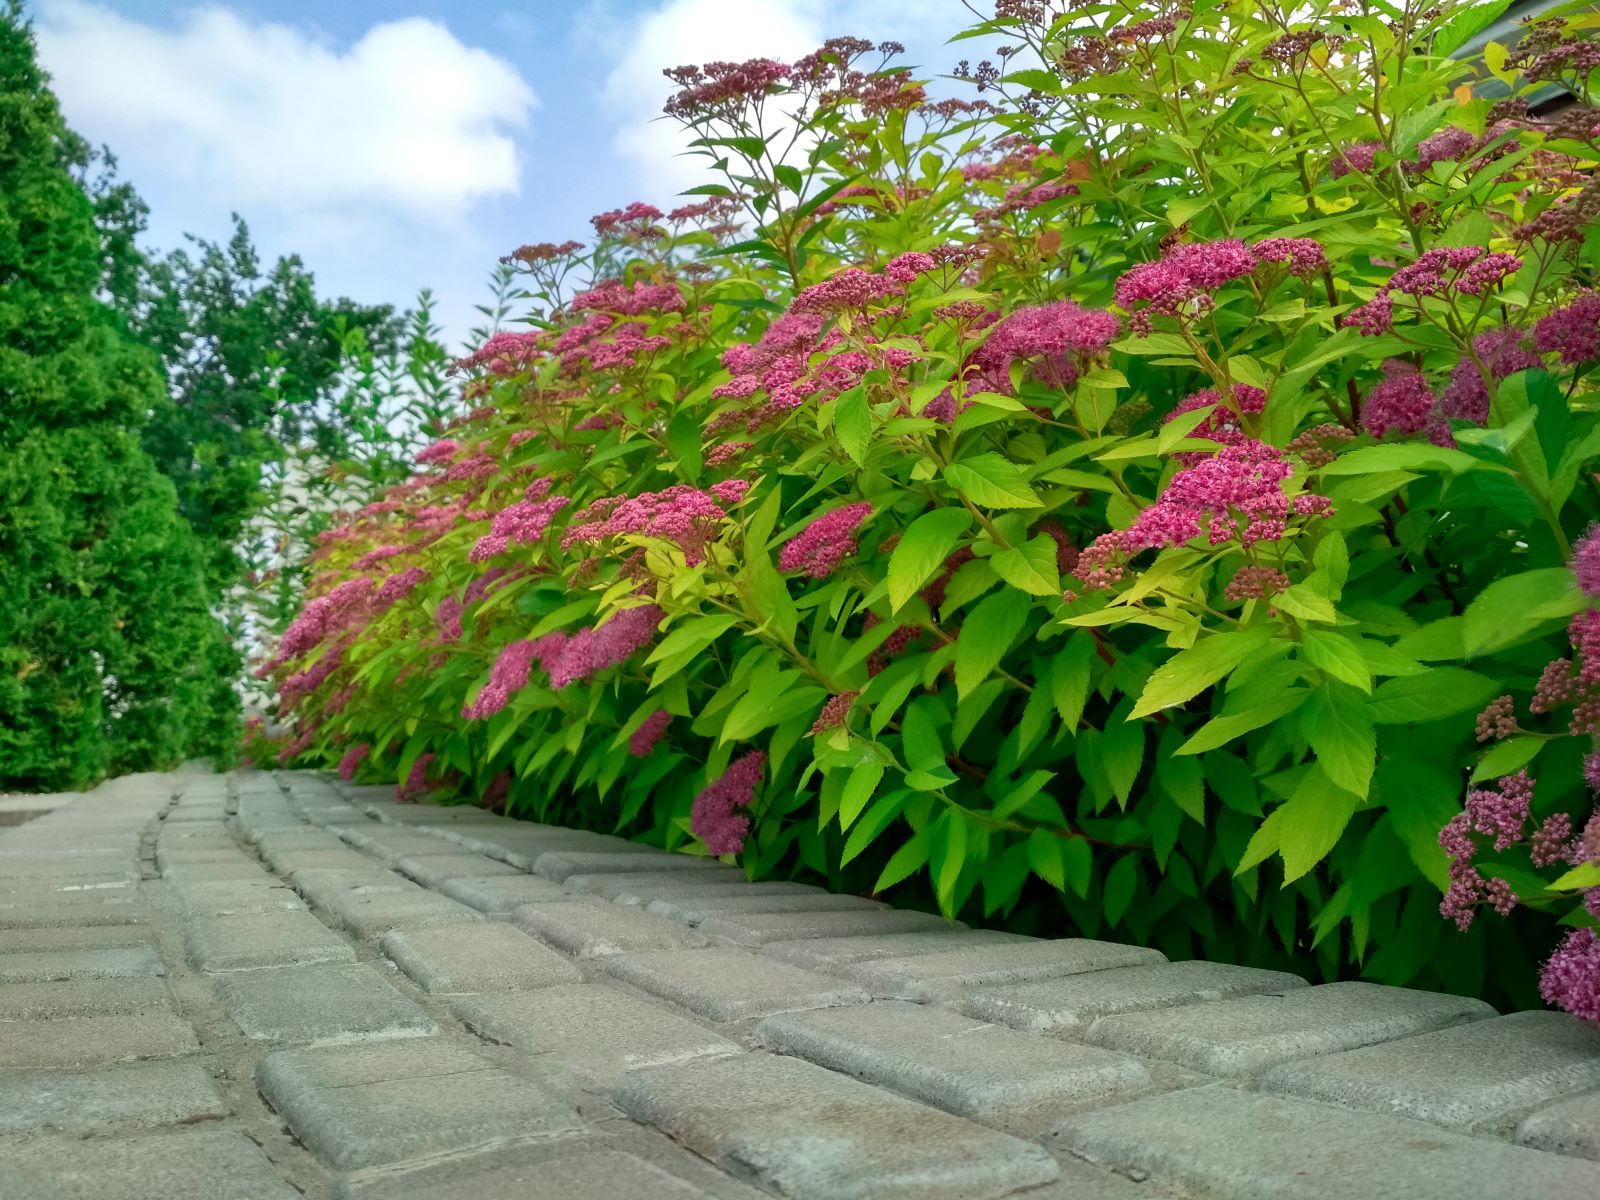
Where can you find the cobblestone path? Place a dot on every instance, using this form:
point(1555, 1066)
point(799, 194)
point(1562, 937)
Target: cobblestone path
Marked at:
point(276, 986)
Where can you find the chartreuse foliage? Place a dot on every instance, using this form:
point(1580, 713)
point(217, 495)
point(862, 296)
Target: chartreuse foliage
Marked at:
point(1104, 504)
point(110, 659)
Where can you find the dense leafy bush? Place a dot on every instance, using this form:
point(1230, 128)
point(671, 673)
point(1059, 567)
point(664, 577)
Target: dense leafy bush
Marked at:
point(1106, 502)
point(110, 658)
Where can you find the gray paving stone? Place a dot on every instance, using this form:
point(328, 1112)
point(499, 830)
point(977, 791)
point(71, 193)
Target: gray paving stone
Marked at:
point(373, 916)
point(110, 885)
point(941, 973)
point(692, 910)
point(84, 998)
point(564, 1169)
point(950, 1061)
point(1459, 1076)
point(558, 864)
point(431, 870)
point(287, 862)
point(484, 956)
point(46, 966)
point(209, 1165)
point(593, 1032)
point(217, 872)
point(237, 899)
point(641, 887)
point(1220, 1141)
point(69, 1042)
point(1073, 1004)
point(596, 928)
point(45, 914)
point(320, 1005)
point(803, 1131)
point(252, 941)
point(300, 837)
point(325, 889)
point(727, 984)
point(389, 845)
point(757, 929)
point(502, 895)
point(1570, 1126)
point(823, 954)
point(109, 1101)
point(1253, 1033)
point(360, 1106)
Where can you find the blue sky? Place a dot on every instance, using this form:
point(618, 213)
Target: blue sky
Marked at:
point(397, 145)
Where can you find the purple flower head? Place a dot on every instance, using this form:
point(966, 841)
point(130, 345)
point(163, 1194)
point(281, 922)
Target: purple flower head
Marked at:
point(590, 651)
point(904, 268)
point(522, 523)
point(447, 619)
point(416, 783)
point(1571, 979)
point(398, 587)
point(1373, 318)
point(713, 819)
point(1448, 145)
point(1059, 336)
point(1465, 398)
point(508, 676)
point(834, 712)
point(1552, 841)
point(346, 605)
point(820, 547)
point(1236, 493)
point(680, 514)
point(644, 738)
point(851, 289)
point(1586, 561)
point(1225, 423)
point(1301, 256)
point(439, 452)
point(352, 759)
point(1572, 332)
point(1181, 275)
point(1358, 158)
point(1501, 814)
point(1403, 402)
point(1497, 721)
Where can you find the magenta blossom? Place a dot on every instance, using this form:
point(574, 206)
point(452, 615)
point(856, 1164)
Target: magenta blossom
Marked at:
point(644, 739)
point(1571, 979)
point(1402, 403)
point(823, 544)
point(1572, 332)
point(713, 819)
point(416, 783)
point(352, 759)
point(1586, 561)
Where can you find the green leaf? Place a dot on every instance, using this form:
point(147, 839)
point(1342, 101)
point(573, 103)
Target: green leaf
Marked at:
point(852, 424)
point(1189, 672)
point(1305, 827)
point(992, 481)
point(1070, 675)
point(1584, 875)
point(922, 551)
point(683, 439)
point(1336, 655)
point(1045, 859)
point(1224, 728)
point(1401, 456)
point(950, 855)
point(1336, 723)
point(1442, 692)
point(877, 819)
point(1118, 892)
point(858, 790)
point(1122, 754)
point(986, 635)
point(1509, 609)
point(1030, 567)
point(1300, 601)
point(907, 859)
point(1420, 799)
point(1508, 756)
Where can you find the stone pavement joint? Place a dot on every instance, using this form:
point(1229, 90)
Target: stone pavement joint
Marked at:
point(268, 986)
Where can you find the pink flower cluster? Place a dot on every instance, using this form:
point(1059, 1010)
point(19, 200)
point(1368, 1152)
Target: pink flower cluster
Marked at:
point(1402, 402)
point(680, 514)
point(1572, 332)
point(637, 220)
point(1586, 562)
point(1225, 423)
point(1179, 280)
point(1463, 270)
point(1503, 352)
point(346, 605)
point(520, 524)
point(630, 301)
point(353, 758)
point(644, 739)
point(713, 819)
point(440, 452)
point(503, 353)
point(416, 783)
point(1059, 338)
point(722, 89)
point(398, 587)
point(1571, 979)
point(823, 544)
point(566, 658)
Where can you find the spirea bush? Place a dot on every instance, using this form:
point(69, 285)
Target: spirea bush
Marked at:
point(1135, 497)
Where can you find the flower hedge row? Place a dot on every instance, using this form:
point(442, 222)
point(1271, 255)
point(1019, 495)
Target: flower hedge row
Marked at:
point(1137, 497)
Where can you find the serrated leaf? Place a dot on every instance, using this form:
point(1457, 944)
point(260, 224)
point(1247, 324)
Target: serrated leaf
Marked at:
point(1336, 655)
point(852, 424)
point(1070, 675)
point(910, 857)
point(1509, 609)
point(1189, 672)
point(992, 481)
point(1030, 567)
point(1336, 723)
point(986, 635)
point(1508, 756)
point(1442, 692)
point(1118, 891)
point(922, 551)
point(858, 791)
point(1304, 828)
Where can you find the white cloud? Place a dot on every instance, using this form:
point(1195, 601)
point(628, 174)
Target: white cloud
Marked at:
point(406, 122)
point(700, 31)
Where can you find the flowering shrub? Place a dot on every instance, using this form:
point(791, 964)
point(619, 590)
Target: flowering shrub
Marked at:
point(1103, 502)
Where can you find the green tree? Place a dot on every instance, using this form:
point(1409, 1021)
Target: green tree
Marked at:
point(110, 657)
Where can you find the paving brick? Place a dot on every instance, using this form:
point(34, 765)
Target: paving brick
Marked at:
point(217, 872)
point(1239, 1037)
point(596, 928)
point(325, 889)
point(210, 1165)
point(109, 1101)
point(319, 1004)
point(255, 940)
point(431, 870)
point(757, 929)
point(558, 864)
point(945, 972)
point(831, 953)
point(45, 966)
point(46, 914)
point(388, 845)
point(484, 956)
point(84, 998)
point(1459, 1076)
point(641, 887)
point(950, 1061)
point(360, 1106)
point(593, 1032)
point(563, 1169)
point(1220, 1141)
point(296, 837)
point(803, 1131)
point(237, 899)
point(501, 895)
point(1072, 1004)
point(692, 910)
point(287, 862)
point(373, 916)
point(108, 885)
point(68, 1042)
point(730, 984)
point(1569, 1126)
